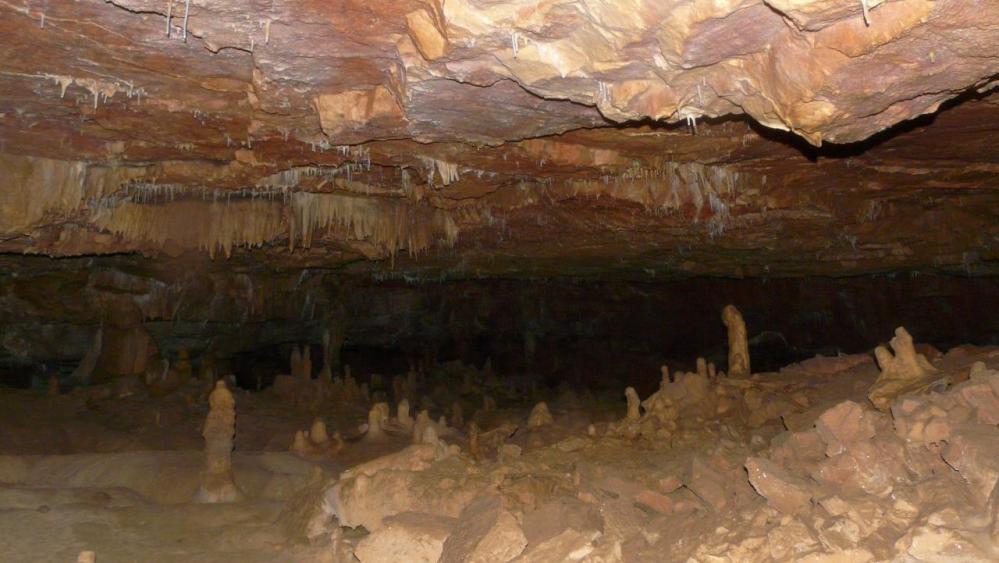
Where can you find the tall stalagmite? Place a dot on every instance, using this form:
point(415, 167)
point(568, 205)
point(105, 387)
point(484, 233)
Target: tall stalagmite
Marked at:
point(738, 345)
point(220, 428)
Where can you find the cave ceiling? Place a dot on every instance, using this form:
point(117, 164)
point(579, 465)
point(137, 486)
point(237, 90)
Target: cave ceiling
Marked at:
point(506, 138)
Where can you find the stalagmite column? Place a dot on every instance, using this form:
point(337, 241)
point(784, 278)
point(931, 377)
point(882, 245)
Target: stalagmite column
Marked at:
point(318, 432)
point(420, 425)
point(540, 416)
point(738, 346)
point(378, 416)
point(402, 414)
point(634, 403)
point(220, 428)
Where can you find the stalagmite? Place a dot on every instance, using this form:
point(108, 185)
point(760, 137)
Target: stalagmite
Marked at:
point(738, 345)
point(702, 367)
point(300, 444)
point(378, 417)
point(317, 433)
point(540, 416)
point(488, 404)
point(420, 425)
point(220, 428)
point(904, 372)
point(315, 444)
point(457, 419)
point(402, 414)
point(634, 404)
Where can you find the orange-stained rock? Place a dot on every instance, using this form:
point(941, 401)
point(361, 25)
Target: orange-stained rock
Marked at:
point(782, 490)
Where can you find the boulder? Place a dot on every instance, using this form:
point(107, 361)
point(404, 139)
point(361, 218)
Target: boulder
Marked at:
point(409, 536)
point(486, 533)
point(842, 425)
point(783, 491)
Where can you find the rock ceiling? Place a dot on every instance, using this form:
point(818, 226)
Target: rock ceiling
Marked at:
point(506, 137)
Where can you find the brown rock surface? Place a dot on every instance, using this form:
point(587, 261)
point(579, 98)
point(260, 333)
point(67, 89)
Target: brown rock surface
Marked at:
point(486, 533)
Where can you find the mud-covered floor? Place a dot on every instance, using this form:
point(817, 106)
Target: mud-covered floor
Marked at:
point(886, 456)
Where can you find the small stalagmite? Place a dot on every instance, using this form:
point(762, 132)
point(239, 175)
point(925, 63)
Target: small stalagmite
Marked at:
point(378, 417)
point(402, 414)
point(318, 432)
point(738, 344)
point(540, 416)
point(419, 426)
point(314, 444)
point(457, 416)
point(702, 367)
point(220, 428)
point(53, 388)
point(300, 444)
point(904, 372)
point(488, 404)
point(634, 404)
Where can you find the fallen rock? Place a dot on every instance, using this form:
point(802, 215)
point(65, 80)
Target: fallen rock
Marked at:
point(553, 518)
point(872, 467)
point(570, 545)
point(791, 540)
point(934, 543)
point(842, 425)
point(972, 452)
point(409, 536)
point(709, 484)
point(486, 533)
point(783, 491)
point(980, 395)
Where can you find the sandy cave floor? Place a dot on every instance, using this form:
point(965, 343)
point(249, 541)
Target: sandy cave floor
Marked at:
point(792, 465)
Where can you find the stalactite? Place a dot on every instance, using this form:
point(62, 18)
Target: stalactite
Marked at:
point(390, 223)
point(216, 227)
point(664, 189)
point(153, 213)
point(447, 171)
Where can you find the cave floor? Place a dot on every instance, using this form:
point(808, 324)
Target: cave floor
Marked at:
point(788, 465)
